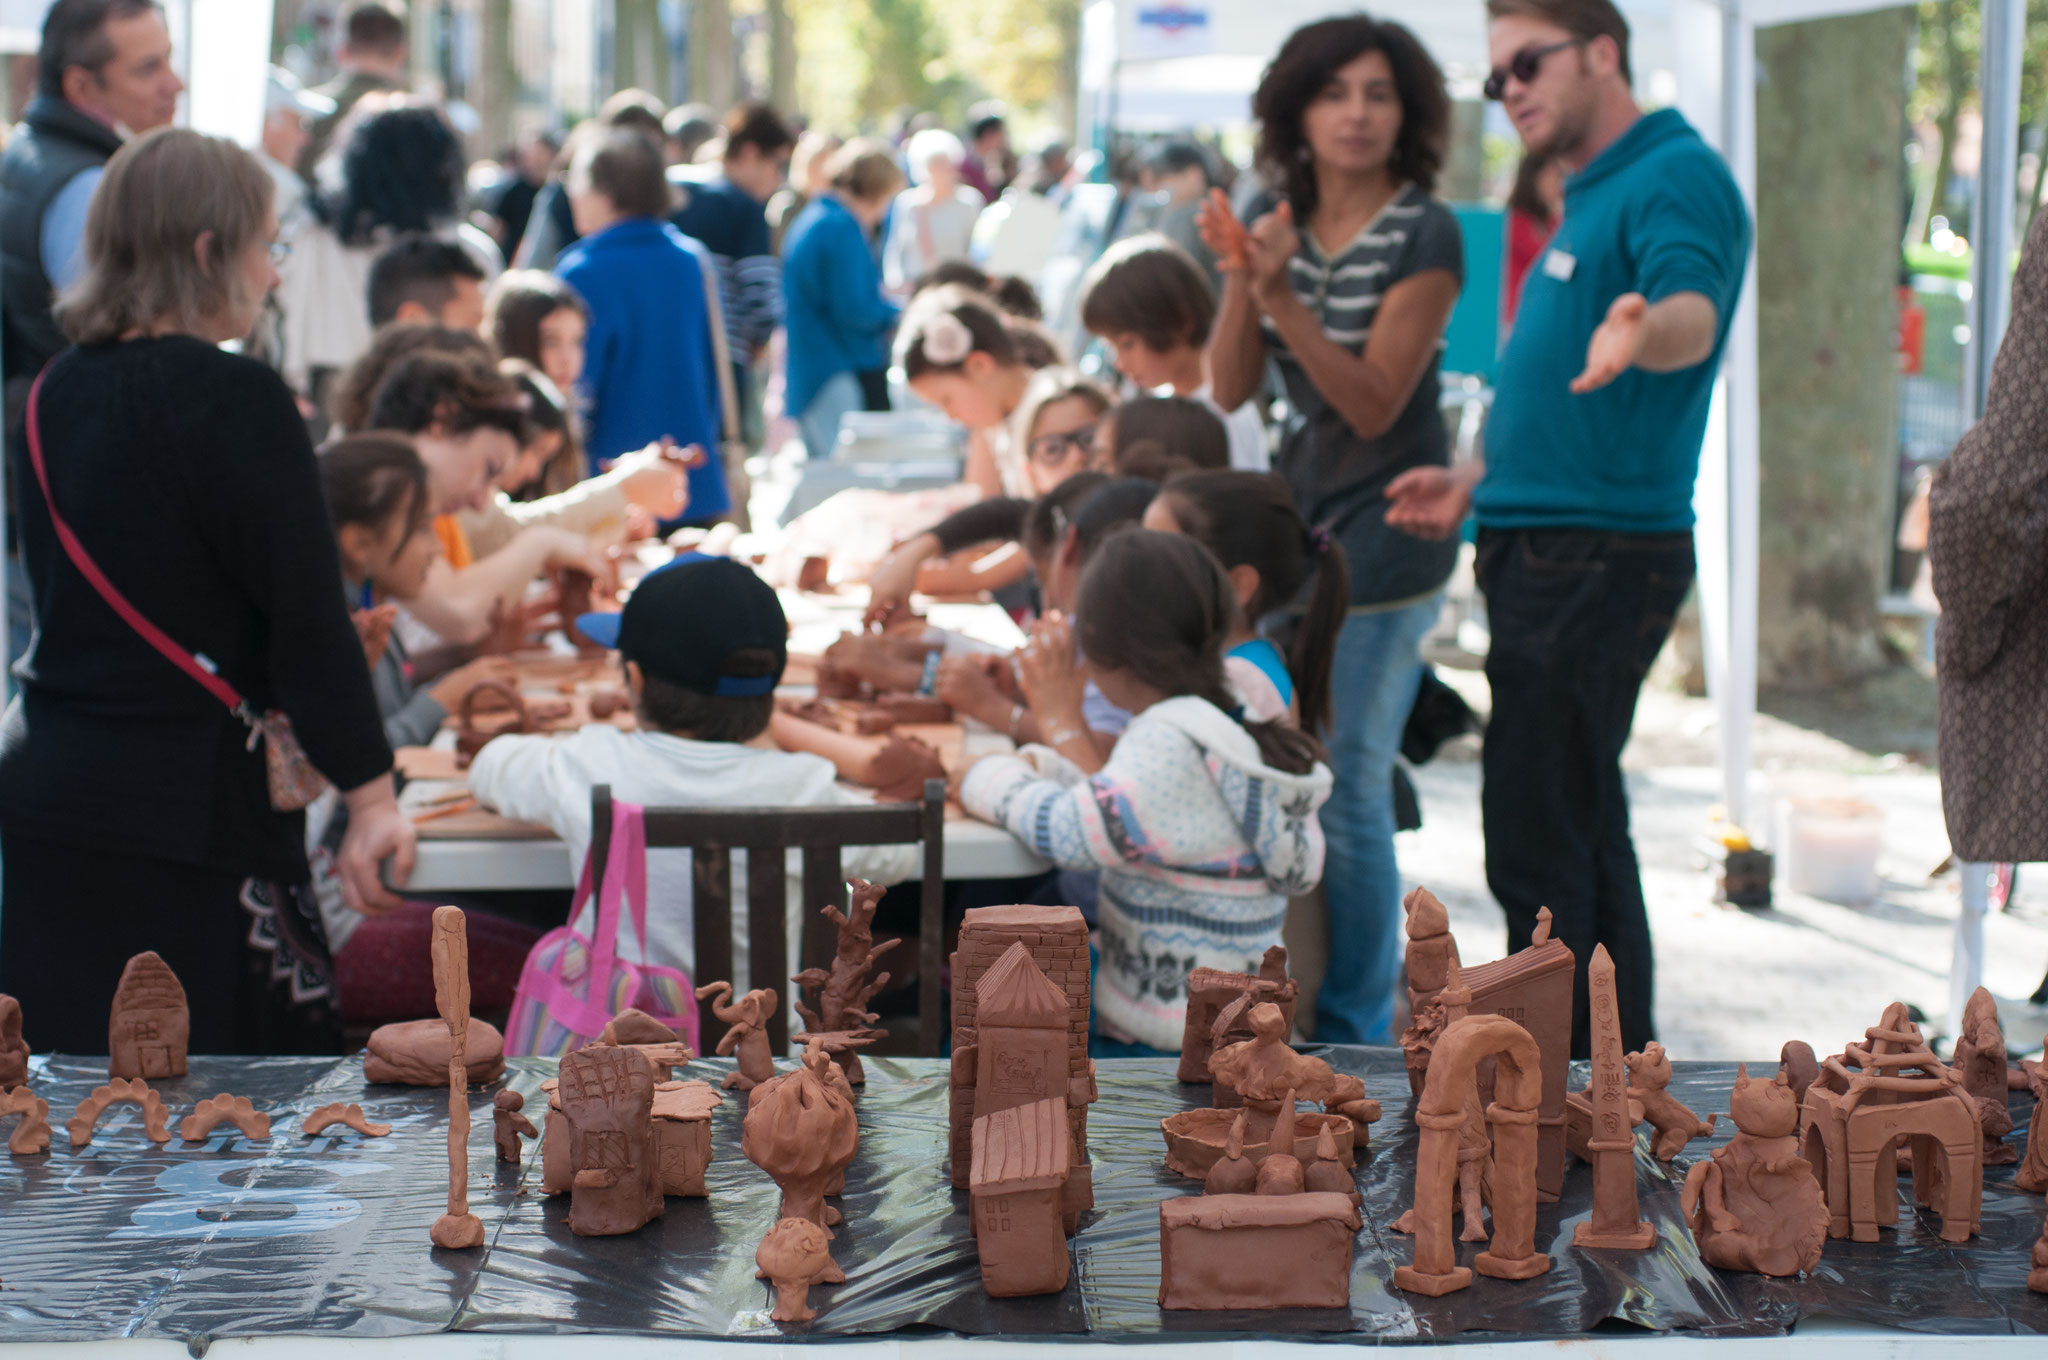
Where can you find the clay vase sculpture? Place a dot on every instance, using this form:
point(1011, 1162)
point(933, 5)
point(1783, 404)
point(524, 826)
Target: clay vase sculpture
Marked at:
point(1235, 1173)
point(843, 990)
point(2032, 1176)
point(415, 1053)
point(32, 1134)
point(802, 1133)
point(1756, 1206)
point(1649, 1074)
point(508, 1125)
point(13, 1048)
point(1326, 1175)
point(149, 1027)
point(458, 1228)
point(795, 1255)
point(748, 1035)
point(1980, 1060)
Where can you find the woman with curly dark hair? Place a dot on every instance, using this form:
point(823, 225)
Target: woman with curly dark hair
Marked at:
point(1347, 276)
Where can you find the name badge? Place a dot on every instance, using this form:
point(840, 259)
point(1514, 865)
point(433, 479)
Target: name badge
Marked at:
point(1559, 265)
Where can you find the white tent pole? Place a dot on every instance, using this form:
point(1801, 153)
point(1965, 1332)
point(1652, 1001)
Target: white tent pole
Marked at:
point(2004, 34)
point(1738, 704)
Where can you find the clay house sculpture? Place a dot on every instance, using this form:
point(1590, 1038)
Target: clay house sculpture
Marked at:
point(149, 1026)
point(682, 1135)
point(1018, 1183)
point(607, 1096)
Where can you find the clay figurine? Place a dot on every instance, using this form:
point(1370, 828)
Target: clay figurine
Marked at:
point(1614, 1223)
point(802, 1133)
point(13, 1048)
point(149, 1026)
point(458, 1228)
point(415, 1053)
point(1649, 1074)
point(1211, 990)
point(794, 1256)
point(844, 989)
point(508, 1124)
point(1756, 1206)
point(1262, 1070)
point(2032, 1176)
point(155, 1118)
point(1980, 1061)
point(607, 1098)
point(1280, 1171)
point(2037, 1278)
point(1235, 1173)
point(348, 1116)
point(748, 1018)
point(1798, 1066)
point(224, 1109)
point(1326, 1175)
point(32, 1134)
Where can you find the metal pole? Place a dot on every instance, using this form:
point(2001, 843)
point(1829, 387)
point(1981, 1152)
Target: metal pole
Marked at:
point(1998, 84)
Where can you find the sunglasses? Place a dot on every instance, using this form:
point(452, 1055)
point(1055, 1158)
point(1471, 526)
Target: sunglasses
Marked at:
point(1524, 66)
point(1052, 448)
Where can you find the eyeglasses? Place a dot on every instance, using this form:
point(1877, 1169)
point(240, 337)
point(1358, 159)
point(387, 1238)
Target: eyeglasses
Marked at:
point(280, 251)
point(1524, 66)
point(1052, 448)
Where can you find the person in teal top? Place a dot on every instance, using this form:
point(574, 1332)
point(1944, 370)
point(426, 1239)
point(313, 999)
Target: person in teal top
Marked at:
point(1584, 501)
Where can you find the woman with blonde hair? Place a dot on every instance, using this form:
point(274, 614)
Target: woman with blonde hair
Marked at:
point(193, 663)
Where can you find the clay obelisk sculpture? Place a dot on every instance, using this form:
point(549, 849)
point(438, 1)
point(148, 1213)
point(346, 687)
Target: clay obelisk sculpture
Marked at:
point(458, 1227)
point(1613, 1144)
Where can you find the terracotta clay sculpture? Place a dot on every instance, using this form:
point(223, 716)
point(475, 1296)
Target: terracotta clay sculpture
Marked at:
point(2033, 1173)
point(1256, 1251)
point(1327, 1175)
point(1614, 1223)
point(224, 1109)
point(573, 592)
point(607, 1096)
point(1262, 1070)
point(633, 1026)
point(682, 1134)
point(2037, 1278)
point(1649, 1077)
point(32, 1134)
point(1432, 949)
point(416, 1053)
point(508, 1125)
point(1757, 1206)
point(1440, 1114)
point(348, 1116)
point(748, 1035)
point(1280, 1171)
point(1234, 1173)
point(1019, 1178)
point(155, 1118)
point(1211, 990)
point(795, 1255)
point(13, 1048)
point(802, 1133)
point(1474, 1185)
point(457, 1228)
point(1798, 1066)
point(843, 990)
point(1853, 1141)
point(1980, 1062)
point(149, 1026)
point(895, 767)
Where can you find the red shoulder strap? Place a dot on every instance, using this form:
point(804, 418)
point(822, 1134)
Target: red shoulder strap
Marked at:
point(149, 632)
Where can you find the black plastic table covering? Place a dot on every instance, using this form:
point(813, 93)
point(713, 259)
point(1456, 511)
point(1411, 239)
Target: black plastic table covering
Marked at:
point(328, 1235)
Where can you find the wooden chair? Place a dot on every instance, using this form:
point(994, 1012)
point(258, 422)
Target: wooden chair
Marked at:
point(712, 834)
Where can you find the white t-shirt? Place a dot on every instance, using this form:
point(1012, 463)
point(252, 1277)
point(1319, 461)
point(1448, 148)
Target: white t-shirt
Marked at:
point(548, 779)
point(1249, 451)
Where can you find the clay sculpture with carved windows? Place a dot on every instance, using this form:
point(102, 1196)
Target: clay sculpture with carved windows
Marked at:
point(1756, 1205)
point(607, 1096)
point(149, 1026)
point(843, 990)
point(747, 1035)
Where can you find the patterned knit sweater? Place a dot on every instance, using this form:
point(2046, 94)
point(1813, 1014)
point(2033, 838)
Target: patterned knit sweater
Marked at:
point(1199, 842)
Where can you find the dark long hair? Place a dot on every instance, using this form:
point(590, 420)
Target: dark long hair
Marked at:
point(370, 478)
point(1156, 437)
point(1248, 519)
point(401, 171)
point(1308, 61)
point(1158, 606)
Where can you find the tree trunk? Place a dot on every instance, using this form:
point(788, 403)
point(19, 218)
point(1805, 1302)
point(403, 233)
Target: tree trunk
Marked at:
point(1828, 185)
point(1961, 81)
point(497, 90)
point(711, 59)
point(781, 57)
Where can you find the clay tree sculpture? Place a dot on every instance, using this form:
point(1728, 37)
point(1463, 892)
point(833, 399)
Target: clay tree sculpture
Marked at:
point(1649, 1077)
point(1980, 1061)
point(148, 1027)
point(458, 1228)
point(1757, 1206)
point(607, 1096)
point(32, 1134)
point(1440, 1113)
point(13, 1048)
point(1235, 1173)
point(803, 1133)
point(844, 989)
point(348, 1116)
point(795, 1255)
point(224, 1109)
point(1614, 1223)
point(2033, 1173)
point(155, 1118)
point(508, 1125)
point(748, 1035)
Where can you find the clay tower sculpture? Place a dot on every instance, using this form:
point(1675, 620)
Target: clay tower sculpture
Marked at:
point(1614, 1223)
point(843, 990)
point(747, 1035)
point(458, 1228)
point(13, 1048)
point(1756, 1205)
point(1981, 1063)
point(149, 1026)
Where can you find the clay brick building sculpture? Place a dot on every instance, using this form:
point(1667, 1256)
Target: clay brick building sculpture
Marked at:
point(1055, 939)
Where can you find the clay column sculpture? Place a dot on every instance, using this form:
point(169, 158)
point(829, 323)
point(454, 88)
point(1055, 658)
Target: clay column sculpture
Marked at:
point(1756, 1206)
point(458, 1228)
point(1614, 1223)
point(844, 989)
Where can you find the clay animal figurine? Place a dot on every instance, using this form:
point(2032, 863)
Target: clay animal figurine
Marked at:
point(458, 1228)
point(1756, 1205)
point(155, 1118)
point(13, 1048)
point(32, 1134)
point(1980, 1060)
point(1649, 1073)
point(748, 1017)
point(794, 1256)
point(508, 1125)
point(2037, 1278)
point(802, 1133)
point(149, 1026)
point(348, 1116)
point(844, 989)
point(1234, 1173)
point(224, 1109)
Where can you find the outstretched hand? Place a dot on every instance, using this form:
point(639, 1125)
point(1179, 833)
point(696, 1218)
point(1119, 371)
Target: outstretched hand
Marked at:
point(1222, 233)
point(1428, 502)
point(1616, 344)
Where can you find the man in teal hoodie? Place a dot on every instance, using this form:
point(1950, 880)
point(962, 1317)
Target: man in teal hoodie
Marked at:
point(1584, 501)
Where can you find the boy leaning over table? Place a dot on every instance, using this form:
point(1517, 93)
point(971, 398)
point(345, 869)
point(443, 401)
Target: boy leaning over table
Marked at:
point(704, 642)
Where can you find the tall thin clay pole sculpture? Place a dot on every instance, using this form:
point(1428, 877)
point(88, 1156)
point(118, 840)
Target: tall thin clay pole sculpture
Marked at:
point(458, 1228)
point(1613, 1144)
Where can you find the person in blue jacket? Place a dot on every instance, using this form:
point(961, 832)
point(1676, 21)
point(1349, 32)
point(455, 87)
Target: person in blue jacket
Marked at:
point(836, 318)
point(649, 362)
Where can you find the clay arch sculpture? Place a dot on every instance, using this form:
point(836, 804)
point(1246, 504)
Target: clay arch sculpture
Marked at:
point(155, 1118)
point(224, 1109)
point(32, 1134)
point(348, 1116)
point(1440, 1114)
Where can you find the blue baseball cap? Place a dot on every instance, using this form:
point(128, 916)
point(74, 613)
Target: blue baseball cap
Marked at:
point(684, 621)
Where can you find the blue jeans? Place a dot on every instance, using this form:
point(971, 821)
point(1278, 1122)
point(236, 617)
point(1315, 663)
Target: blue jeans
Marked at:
point(1378, 666)
point(820, 420)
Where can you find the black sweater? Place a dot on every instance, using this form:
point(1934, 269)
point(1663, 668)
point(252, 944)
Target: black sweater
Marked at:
point(187, 476)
